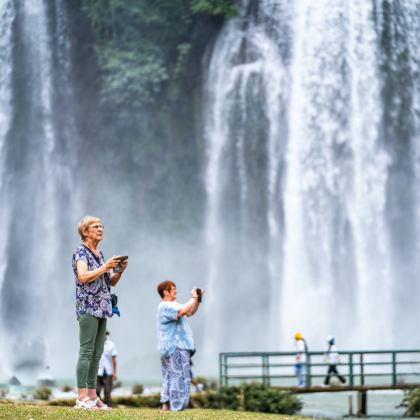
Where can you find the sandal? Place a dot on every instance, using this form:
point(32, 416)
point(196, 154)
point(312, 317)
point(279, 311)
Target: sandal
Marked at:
point(82, 404)
point(104, 407)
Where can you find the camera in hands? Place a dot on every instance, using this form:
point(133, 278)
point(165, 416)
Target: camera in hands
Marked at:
point(119, 268)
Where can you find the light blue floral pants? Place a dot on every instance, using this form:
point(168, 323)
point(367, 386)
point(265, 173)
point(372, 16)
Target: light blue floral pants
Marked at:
point(176, 380)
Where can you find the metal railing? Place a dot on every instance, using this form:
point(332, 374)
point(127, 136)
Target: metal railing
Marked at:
point(358, 368)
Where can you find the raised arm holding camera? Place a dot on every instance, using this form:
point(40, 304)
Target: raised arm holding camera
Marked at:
point(175, 345)
point(93, 306)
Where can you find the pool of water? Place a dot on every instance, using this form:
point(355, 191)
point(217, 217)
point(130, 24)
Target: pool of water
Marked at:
point(380, 404)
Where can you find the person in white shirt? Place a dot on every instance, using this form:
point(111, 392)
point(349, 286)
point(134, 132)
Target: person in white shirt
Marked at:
point(300, 366)
point(333, 361)
point(107, 369)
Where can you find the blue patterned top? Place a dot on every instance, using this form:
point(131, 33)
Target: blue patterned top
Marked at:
point(173, 333)
point(92, 298)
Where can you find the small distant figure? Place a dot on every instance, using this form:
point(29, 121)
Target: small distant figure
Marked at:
point(200, 387)
point(107, 370)
point(300, 366)
point(333, 360)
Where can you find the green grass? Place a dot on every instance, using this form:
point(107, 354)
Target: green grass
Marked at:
point(38, 412)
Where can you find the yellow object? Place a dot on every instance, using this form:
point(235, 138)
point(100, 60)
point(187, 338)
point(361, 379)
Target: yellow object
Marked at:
point(298, 336)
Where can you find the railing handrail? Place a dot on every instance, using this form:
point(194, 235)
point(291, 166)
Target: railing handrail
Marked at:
point(313, 353)
point(265, 364)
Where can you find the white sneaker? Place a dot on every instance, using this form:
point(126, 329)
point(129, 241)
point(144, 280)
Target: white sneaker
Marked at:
point(200, 387)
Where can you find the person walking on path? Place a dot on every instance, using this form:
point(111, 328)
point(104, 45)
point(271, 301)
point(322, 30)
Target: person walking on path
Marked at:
point(107, 370)
point(93, 307)
point(333, 361)
point(300, 366)
point(175, 345)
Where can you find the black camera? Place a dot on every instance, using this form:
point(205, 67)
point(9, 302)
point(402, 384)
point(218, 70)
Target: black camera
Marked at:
point(198, 294)
point(118, 268)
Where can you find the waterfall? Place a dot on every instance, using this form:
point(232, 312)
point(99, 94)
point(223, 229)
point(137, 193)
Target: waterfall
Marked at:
point(37, 132)
point(305, 174)
point(310, 123)
point(7, 14)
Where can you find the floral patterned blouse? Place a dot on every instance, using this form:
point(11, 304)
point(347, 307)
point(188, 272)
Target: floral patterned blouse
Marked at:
point(92, 298)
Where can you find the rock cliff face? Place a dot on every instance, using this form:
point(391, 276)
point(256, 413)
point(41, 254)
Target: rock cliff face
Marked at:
point(283, 181)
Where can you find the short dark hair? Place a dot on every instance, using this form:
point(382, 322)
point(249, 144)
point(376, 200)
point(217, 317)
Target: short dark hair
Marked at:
point(165, 285)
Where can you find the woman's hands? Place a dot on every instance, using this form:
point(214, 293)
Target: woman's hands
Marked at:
point(124, 264)
point(113, 262)
point(194, 292)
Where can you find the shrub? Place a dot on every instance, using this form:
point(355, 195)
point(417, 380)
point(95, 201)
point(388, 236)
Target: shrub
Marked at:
point(411, 400)
point(150, 401)
point(137, 389)
point(248, 397)
point(270, 400)
point(42, 393)
point(66, 388)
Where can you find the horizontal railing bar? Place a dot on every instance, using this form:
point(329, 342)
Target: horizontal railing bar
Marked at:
point(312, 376)
point(250, 365)
point(315, 353)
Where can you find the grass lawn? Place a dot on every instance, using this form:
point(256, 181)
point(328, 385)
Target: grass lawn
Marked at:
point(38, 412)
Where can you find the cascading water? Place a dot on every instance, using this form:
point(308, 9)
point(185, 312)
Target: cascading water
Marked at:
point(36, 181)
point(303, 222)
point(336, 244)
point(312, 158)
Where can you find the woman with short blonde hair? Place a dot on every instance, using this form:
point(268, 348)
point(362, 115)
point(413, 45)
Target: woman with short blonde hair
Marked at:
point(93, 307)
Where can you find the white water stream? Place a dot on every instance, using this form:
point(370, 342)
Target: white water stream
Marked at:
point(311, 131)
point(304, 82)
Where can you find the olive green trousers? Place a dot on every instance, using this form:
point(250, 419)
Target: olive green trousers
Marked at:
point(92, 338)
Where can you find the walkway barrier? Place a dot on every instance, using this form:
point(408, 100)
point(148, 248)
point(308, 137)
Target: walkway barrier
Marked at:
point(363, 370)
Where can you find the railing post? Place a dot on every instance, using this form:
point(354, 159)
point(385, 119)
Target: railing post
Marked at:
point(308, 370)
point(362, 378)
point(220, 370)
point(226, 371)
point(266, 378)
point(351, 371)
point(394, 369)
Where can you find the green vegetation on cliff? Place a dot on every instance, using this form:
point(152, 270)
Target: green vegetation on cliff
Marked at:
point(137, 77)
point(144, 45)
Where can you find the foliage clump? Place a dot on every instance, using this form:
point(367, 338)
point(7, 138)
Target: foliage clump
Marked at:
point(143, 46)
point(137, 389)
point(248, 397)
point(42, 393)
point(411, 400)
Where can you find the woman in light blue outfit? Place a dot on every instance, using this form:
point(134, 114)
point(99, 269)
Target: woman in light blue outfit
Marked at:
point(175, 345)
